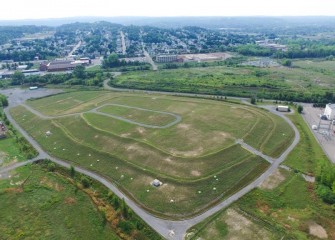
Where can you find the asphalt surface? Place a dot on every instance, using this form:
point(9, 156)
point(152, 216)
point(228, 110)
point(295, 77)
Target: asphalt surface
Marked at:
point(254, 151)
point(177, 117)
point(325, 138)
point(74, 49)
point(149, 59)
point(167, 228)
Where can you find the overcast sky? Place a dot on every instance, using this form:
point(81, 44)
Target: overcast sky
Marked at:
point(35, 9)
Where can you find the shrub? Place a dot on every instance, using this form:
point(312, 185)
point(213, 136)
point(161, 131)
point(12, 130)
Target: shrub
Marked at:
point(253, 100)
point(51, 166)
point(126, 226)
point(72, 171)
point(85, 182)
point(326, 194)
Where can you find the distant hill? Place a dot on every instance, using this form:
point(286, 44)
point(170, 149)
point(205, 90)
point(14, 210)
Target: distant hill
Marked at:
point(168, 22)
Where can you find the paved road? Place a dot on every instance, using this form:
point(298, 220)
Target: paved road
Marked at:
point(149, 59)
point(95, 110)
point(177, 117)
point(167, 228)
point(74, 49)
point(17, 165)
point(254, 151)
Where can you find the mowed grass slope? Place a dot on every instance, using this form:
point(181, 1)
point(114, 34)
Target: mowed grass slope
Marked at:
point(206, 126)
point(136, 180)
point(36, 204)
point(137, 115)
point(197, 159)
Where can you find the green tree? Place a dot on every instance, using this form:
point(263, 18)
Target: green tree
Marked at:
point(3, 101)
point(124, 209)
point(111, 61)
point(300, 109)
point(287, 63)
point(253, 100)
point(72, 171)
point(85, 182)
point(79, 72)
point(18, 78)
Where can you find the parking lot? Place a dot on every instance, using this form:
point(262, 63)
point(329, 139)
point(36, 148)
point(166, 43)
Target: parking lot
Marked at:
point(323, 134)
point(17, 96)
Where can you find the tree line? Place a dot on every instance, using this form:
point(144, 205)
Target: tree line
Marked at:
point(78, 77)
point(113, 61)
point(317, 50)
point(326, 182)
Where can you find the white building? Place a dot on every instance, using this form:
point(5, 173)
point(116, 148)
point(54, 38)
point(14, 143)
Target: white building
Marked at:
point(330, 111)
point(283, 108)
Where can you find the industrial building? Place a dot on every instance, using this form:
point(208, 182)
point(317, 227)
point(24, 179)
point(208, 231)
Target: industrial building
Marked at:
point(58, 66)
point(166, 58)
point(330, 111)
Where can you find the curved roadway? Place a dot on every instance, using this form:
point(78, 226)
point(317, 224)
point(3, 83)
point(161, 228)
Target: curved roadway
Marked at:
point(167, 228)
point(95, 110)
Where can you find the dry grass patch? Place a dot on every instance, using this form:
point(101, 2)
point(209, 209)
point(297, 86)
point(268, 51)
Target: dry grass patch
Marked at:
point(195, 173)
point(242, 228)
point(47, 183)
point(193, 153)
point(70, 200)
point(273, 180)
point(13, 190)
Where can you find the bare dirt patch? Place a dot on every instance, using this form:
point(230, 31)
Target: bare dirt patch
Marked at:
point(317, 230)
point(273, 180)
point(4, 175)
point(70, 200)
point(124, 135)
point(242, 228)
point(193, 153)
point(196, 173)
point(140, 130)
point(184, 126)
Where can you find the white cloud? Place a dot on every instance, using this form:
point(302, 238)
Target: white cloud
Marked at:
point(23, 9)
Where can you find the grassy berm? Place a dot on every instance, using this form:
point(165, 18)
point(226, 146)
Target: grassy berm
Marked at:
point(42, 201)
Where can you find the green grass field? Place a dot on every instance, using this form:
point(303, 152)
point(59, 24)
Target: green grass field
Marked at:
point(305, 78)
point(36, 204)
point(9, 152)
point(197, 159)
point(284, 212)
point(308, 152)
